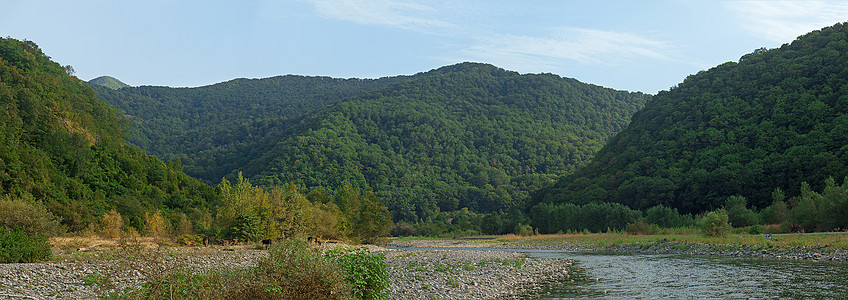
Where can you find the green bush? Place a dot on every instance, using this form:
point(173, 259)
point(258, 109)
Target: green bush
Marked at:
point(367, 273)
point(28, 215)
point(17, 246)
point(738, 213)
point(293, 270)
point(641, 227)
point(715, 223)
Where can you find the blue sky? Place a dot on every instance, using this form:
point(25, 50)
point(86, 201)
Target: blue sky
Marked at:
point(630, 45)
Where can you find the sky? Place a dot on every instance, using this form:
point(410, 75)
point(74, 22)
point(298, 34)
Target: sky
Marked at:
point(630, 45)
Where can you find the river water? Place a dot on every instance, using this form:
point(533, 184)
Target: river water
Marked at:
point(667, 276)
point(602, 275)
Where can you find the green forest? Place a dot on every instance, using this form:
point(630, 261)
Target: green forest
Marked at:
point(460, 150)
point(776, 120)
point(65, 167)
point(469, 135)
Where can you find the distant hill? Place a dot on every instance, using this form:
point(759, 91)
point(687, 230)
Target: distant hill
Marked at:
point(774, 119)
point(218, 128)
point(468, 135)
point(62, 146)
point(109, 82)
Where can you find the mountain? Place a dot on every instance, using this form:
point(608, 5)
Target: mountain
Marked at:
point(468, 135)
point(109, 82)
point(215, 129)
point(774, 119)
point(62, 147)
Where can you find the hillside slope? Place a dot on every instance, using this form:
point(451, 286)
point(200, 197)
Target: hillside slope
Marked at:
point(468, 135)
point(774, 119)
point(217, 128)
point(62, 146)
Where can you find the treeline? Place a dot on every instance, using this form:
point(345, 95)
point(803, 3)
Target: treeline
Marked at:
point(774, 119)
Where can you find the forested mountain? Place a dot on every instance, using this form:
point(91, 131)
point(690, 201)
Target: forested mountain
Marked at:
point(216, 129)
point(62, 148)
point(774, 119)
point(468, 135)
point(109, 82)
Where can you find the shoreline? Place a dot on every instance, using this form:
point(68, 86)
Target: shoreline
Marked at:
point(820, 253)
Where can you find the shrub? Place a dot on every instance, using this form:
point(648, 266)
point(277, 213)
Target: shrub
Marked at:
point(111, 225)
point(367, 274)
point(641, 227)
point(402, 229)
point(17, 246)
point(523, 230)
point(293, 270)
point(28, 215)
point(738, 214)
point(715, 223)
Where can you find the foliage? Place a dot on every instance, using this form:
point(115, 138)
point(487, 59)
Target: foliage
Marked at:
point(667, 217)
point(366, 273)
point(642, 227)
point(18, 246)
point(774, 119)
point(63, 147)
point(469, 135)
point(28, 215)
point(715, 223)
point(247, 227)
point(594, 217)
point(112, 225)
point(293, 270)
point(402, 229)
point(738, 215)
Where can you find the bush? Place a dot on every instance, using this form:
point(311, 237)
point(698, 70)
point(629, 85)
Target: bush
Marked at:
point(29, 216)
point(402, 229)
point(17, 246)
point(367, 274)
point(293, 270)
point(715, 223)
point(523, 230)
point(738, 214)
point(641, 227)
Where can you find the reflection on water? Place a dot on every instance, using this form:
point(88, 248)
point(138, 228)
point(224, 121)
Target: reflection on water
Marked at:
point(653, 276)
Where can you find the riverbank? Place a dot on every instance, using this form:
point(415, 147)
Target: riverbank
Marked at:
point(470, 274)
point(415, 274)
point(815, 247)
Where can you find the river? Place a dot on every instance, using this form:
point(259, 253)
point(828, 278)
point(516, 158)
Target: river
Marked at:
point(664, 276)
point(604, 275)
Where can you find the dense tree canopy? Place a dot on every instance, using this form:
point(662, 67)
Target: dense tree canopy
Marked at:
point(469, 135)
point(63, 147)
point(776, 118)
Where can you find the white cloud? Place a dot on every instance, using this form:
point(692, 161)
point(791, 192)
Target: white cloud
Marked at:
point(400, 14)
point(575, 44)
point(783, 21)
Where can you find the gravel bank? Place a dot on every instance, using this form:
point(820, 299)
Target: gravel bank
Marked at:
point(455, 274)
point(72, 277)
point(469, 274)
